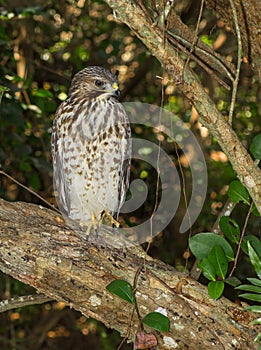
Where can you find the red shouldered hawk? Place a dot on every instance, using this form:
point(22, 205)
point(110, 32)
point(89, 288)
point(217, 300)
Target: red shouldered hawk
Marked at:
point(91, 148)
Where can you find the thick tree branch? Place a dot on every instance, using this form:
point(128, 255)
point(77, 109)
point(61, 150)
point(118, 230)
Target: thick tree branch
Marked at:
point(38, 249)
point(153, 37)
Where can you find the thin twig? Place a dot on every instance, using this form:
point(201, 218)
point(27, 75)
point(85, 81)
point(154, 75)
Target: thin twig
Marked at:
point(196, 34)
point(226, 211)
point(182, 43)
point(220, 64)
point(241, 239)
point(184, 192)
point(3, 89)
point(158, 177)
point(134, 289)
point(135, 308)
point(239, 57)
point(29, 190)
point(22, 301)
point(128, 330)
point(158, 157)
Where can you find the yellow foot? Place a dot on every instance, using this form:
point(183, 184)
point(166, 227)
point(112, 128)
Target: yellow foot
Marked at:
point(92, 224)
point(106, 215)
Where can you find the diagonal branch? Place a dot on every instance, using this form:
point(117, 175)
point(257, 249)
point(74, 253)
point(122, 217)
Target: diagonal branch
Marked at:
point(38, 249)
point(22, 301)
point(152, 36)
point(248, 13)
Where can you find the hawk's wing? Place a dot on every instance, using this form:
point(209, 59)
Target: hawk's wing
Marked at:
point(59, 181)
point(126, 149)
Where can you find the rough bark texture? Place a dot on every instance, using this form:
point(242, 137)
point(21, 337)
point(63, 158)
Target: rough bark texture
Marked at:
point(38, 249)
point(153, 37)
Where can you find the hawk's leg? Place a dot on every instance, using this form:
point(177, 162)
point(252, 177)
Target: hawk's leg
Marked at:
point(106, 215)
point(92, 224)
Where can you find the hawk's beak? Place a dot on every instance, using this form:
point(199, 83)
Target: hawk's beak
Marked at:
point(113, 89)
point(116, 90)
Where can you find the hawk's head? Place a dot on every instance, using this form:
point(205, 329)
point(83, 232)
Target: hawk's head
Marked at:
point(95, 82)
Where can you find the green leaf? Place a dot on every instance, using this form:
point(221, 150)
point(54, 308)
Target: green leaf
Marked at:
point(215, 289)
point(255, 147)
point(208, 269)
point(254, 241)
point(249, 288)
point(157, 321)
point(258, 340)
point(122, 289)
point(218, 259)
point(3, 88)
point(230, 228)
point(233, 281)
point(254, 211)
point(250, 296)
point(24, 166)
point(237, 192)
point(35, 181)
point(255, 281)
point(30, 11)
point(256, 321)
point(43, 93)
point(202, 243)
point(207, 40)
point(255, 261)
point(253, 308)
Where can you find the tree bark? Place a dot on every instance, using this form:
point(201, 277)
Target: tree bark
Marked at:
point(153, 37)
point(37, 248)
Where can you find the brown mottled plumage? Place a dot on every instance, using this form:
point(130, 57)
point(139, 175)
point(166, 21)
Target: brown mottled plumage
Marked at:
point(91, 147)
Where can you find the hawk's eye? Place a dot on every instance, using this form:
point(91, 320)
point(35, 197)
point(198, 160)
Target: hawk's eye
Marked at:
point(99, 83)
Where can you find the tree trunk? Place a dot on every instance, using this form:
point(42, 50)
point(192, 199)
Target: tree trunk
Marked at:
point(38, 249)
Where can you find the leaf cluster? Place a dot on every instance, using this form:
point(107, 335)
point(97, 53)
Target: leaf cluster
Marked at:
point(124, 290)
point(215, 252)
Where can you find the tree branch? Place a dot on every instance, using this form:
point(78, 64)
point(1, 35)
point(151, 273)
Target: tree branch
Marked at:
point(248, 13)
point(22, 301)
point(239, 58)
point(153, 37)
point(38, 249)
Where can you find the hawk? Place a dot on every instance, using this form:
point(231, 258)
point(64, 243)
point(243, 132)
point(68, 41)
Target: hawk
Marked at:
point(91, 148)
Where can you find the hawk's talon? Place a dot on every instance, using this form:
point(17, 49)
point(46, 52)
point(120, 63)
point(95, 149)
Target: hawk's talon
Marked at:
point(106, 214)
point(92, 224)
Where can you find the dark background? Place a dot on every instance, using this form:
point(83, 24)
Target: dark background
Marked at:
point(42, 44)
